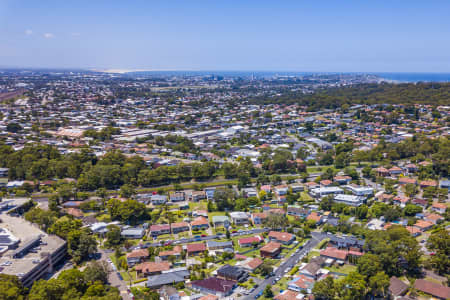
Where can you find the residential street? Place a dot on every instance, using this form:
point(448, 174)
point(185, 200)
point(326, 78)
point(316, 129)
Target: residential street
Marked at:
point(114, 279)
point(289, 263)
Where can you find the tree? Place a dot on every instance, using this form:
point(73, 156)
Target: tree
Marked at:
point(127, 190)
point(326, 203)
point(342, 160)
point(80, 245)
point(96, 271)
point(410, 189)
point(369, 265)
point(224, 198)
point(412, 210)
point(13, 127)
point(324, 289)
point(265, 268)
point(379, 284)
point(326, 159)
point(113, 236)
point(46, 290)
point(276, 221)
point(352, 287)
point(366, 171)
point(439, 241)
point(10, 288)
point(243, 180)
point(64, 225)
point(72, 278)
point(268, 291)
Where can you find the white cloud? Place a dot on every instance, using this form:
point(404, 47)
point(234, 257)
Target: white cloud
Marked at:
point(49, 35)
point(28, 32)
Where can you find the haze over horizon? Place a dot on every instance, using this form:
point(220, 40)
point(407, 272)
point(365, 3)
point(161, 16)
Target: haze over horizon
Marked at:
point(301, 36)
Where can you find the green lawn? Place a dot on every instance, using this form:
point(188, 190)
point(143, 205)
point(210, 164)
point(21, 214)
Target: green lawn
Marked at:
point(345, 269)
point(313, 253)
point(128, 275)
point(305, 197)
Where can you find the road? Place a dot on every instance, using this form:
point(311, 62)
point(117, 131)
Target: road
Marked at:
point(114, 279)
point(289, 263)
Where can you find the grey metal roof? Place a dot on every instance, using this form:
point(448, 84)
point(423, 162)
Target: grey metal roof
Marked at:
point(167, 278)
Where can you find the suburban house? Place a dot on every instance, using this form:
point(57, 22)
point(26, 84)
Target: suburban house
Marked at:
point(198, 195)
point(200, 223)
point(232, 273)
point(214, 285)
point(342, 179)
point(311, 270)
point(179, 227)
point(284, 238)
point(434, 289)
point(249, 241)
point(411, 168)
point(301, 283)
point(407, 180)
point(401, 201)
point(166, 278)
point(428, 183)
point(177, 196)
point(221, 221)
point(258, 218)
point(133, 233)
point(250, 192)
point(152, 268)
point(195, 249)
point(271, 250)
point(395, 171)
point(438, 207)
point(297, 188)
point(158, 199)
point(346, 242)
point(423, 225)
point(239, 217)
point(176, 252)
point(335, 254)
point(136, 256)
point(252, 264)
point(297, 211)
point(160, 229)
point(420, 202)
point(213, 245)
point(433, 218)
point(315, 216)
point(397, 287)
point(281, 190)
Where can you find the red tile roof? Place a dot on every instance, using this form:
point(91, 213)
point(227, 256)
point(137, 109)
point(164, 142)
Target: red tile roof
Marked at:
point(281, 236)
point(215, 284)
point(196, 247)
point(432, 288)
point(153, 267)
point(271, 247)
point(334, 253)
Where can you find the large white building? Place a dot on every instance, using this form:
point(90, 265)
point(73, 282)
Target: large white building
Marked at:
point(325, 191)
point(351, 200)
point(359, 190)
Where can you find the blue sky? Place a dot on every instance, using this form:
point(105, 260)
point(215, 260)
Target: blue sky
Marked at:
point(298, 35)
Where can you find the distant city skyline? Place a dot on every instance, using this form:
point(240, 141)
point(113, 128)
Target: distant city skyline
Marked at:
point(299, 36)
